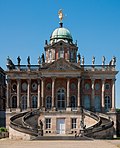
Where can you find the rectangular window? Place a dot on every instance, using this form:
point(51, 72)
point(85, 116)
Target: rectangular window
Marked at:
point(73, 123)
point(48, 123)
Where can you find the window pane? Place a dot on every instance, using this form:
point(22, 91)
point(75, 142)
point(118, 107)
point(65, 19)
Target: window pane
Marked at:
point(73, 123)
point(48, 123)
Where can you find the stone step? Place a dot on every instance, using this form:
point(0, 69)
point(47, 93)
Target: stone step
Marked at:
point(62, 138)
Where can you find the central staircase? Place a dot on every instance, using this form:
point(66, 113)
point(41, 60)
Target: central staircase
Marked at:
point(27, 122)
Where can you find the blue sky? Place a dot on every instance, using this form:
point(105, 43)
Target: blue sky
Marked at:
point(26, 24)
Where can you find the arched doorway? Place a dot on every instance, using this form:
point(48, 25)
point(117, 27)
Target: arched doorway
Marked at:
point(14, 102)
point(107, 103)
point(73, 102)
point(97, 103)
point(61, 103)
point(34, 101)
point(48, 102)
point(24, 102)
point(87, 102)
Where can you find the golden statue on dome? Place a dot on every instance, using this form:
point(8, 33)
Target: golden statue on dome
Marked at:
point(60, 14)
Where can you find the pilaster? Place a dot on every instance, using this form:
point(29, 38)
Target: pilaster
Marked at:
point(113, 94)
point(103, 95)
point(28, 94)
point(93, 94)
point(42, 92)
point(53, 93)
point(68, 92)
point(79, 100)
point(38, 105)
point(18, 93)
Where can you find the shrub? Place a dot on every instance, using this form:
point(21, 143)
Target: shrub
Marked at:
point(118, 110)
point(3, 129)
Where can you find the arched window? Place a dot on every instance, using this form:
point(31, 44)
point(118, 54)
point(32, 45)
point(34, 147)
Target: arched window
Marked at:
point(14, 102)
point(48, 102)
point(61, 53)
point(34, 101)
point(73, 102)
point(87, 102)
point(24, 102)
point(61, 99)
point(107, 103)
point(50, 55)
point(97, 103)
point(71, 56)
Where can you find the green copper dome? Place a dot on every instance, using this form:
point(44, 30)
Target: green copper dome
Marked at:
point(61, 33)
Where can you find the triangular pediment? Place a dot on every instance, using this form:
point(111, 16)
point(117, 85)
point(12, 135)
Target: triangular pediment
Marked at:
point(62, 64)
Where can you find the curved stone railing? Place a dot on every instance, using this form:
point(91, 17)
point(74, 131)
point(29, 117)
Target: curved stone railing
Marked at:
point(19, 127)
point(94, 116)
point(102, 127)
point(28, 115)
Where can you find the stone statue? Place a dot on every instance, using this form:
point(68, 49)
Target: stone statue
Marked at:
point(113, 60)
point(10, 64)
point(8, 60)
point(93, 60)
point(103, 60)
point(43, 58)
point(79, 58)
point(40, 124)
point(39, 60)
point(76, 42)
point(18, 58)
point(60, 14)
point(28, 60)
point(110, 63)
point(83, 60)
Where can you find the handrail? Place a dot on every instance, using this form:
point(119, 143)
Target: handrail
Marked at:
point(105, 126)
point(28, 115)
point(20, 127)
point(94, 116)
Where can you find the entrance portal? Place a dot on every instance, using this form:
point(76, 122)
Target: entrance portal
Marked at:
point(60, 126)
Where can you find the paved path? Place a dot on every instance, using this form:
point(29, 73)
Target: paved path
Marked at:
point(6, 143)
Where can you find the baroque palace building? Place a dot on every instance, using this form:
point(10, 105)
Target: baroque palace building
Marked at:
point(2, 97)
point(60, 85)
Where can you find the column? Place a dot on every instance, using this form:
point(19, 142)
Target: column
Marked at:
point(93, 95)
point(38, 105)
point(18, 93)
point(8, 94)
point(103, 93)
point(53, 92)
point(79, 101)
point(28, 94)
point(82, 92)
point(42, 92)
point(113, 94)
point(68, 92)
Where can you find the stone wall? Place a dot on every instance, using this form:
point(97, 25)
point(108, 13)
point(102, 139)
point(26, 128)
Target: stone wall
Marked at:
point(14, 134)
point(118, 124)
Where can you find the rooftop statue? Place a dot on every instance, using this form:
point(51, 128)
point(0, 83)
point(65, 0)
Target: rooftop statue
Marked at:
point(79, 58)
point(93, 60)
point(83, 60)
point(10, 64)
point(43, 58)
point(113, 60)
point(103, 60)
point(28, 60)
point(18, 58)
point(39, 60)
point(60, 14)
